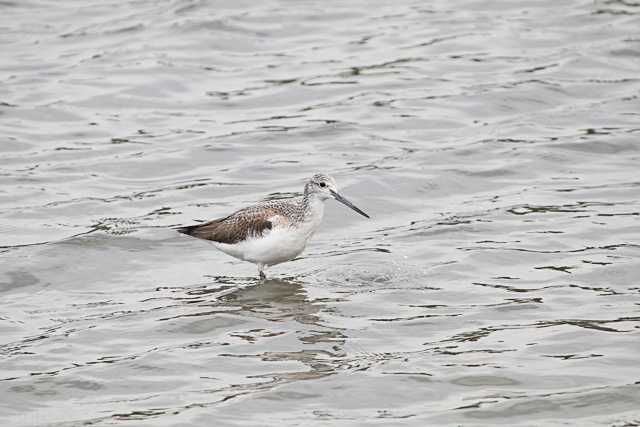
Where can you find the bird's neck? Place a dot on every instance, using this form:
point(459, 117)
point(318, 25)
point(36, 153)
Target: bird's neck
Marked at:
point(312, 206)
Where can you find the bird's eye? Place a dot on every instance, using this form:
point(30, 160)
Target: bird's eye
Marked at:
point(322, 184)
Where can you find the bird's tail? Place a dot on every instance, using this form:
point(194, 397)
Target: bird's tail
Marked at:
point(188, 230)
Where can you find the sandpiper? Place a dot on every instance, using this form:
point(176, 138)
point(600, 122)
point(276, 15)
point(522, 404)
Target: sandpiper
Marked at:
point(274, 231)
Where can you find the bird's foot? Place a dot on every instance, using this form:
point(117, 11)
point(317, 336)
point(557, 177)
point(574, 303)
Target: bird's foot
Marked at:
point(261, 268)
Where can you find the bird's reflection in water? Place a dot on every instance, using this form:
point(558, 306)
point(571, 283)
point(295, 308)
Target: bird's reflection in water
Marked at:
point(268, 308)
point(254, 336)
point(281, 324)
point(272, 299)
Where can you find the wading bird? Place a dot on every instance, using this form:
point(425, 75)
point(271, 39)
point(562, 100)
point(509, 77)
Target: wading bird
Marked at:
point(274, 231)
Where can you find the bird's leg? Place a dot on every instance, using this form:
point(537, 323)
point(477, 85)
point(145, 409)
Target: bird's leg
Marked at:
point(261, 271)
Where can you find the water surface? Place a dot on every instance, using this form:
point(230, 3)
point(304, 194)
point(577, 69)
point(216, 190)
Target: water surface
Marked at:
point(495, 145)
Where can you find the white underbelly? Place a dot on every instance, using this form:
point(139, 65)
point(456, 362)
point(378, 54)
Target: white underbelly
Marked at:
point(276, 246)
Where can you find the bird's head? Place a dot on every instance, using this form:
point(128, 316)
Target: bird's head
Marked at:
point(324, 187)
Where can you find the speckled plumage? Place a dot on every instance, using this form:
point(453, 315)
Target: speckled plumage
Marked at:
point(273, 231)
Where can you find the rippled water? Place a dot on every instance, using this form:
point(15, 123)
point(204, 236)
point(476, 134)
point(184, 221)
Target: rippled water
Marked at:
point(496, 146)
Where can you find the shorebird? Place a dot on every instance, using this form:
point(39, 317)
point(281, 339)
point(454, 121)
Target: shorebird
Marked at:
point(273, 231)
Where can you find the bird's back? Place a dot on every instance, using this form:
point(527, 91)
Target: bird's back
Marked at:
point(252, 221)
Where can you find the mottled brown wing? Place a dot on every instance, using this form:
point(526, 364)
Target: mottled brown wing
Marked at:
point(232, 229)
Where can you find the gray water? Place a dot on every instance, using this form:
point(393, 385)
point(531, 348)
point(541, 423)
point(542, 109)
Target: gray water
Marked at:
point(496, 146)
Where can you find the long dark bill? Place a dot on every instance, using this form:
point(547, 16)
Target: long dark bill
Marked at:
point(341, 199)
